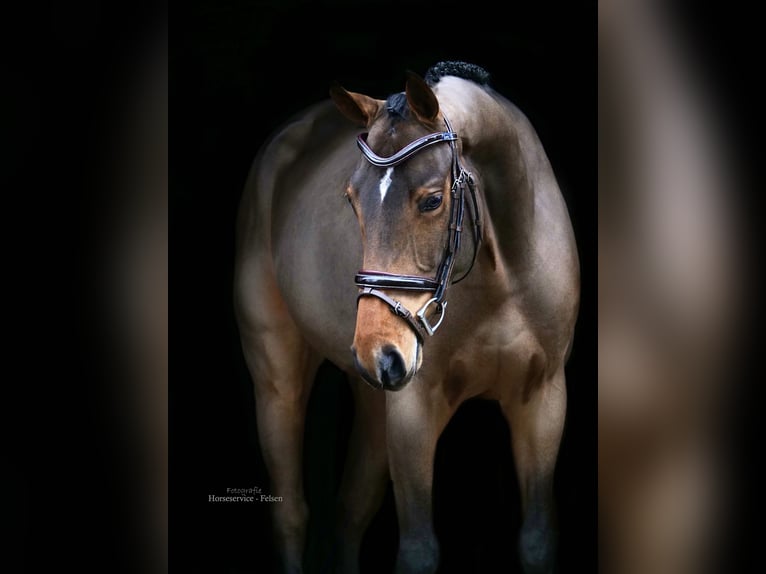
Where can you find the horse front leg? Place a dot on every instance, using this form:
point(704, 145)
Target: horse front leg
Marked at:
point(536, 428)
point(283, 369)
point(415, 418)
point(365, 475)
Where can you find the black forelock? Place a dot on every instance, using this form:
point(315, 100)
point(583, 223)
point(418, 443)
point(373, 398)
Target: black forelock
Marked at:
point(460, 69)
point(397, 107)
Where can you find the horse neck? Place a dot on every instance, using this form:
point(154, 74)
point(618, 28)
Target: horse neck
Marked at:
point(500, 146)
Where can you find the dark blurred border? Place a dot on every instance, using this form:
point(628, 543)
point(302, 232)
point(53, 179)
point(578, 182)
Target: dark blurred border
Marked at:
point(723, 43)
point(719, 46)
point(71, 75)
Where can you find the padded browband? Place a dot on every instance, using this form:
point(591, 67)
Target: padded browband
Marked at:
point(392, 281)
point(406, 152)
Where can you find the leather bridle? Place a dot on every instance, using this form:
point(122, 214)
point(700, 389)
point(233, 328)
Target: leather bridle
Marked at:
point(370, 282)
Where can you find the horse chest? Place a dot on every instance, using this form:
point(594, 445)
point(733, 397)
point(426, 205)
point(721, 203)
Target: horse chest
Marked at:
point(499, 361)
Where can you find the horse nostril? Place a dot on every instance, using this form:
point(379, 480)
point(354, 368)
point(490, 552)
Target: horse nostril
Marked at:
point(391, 366)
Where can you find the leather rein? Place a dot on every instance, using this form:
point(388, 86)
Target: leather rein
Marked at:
point(370, 282)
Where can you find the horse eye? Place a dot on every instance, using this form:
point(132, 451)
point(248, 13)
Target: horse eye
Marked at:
point(430, 203)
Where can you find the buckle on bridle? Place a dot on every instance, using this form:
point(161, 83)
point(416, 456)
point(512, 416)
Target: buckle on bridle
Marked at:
point(463, 177)
point(440, 307)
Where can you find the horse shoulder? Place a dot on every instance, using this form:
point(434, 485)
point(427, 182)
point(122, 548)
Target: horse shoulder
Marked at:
point(255, 280)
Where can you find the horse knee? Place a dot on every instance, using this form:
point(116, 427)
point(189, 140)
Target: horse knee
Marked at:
point(290, 521)
point(418, 556)
point(537, 549)
point(294, 513)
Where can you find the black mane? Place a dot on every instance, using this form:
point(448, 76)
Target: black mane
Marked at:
point(460, 69)
point(396, 104)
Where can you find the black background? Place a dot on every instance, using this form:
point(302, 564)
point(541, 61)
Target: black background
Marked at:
point(238, 71)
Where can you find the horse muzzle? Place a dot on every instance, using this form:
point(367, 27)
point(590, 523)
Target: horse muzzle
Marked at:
point(387, 370)
point(387, 351)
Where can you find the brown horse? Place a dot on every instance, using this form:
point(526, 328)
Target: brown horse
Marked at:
point(453, 201)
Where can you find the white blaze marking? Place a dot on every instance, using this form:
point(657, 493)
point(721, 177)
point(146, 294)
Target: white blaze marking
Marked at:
point(385, 183)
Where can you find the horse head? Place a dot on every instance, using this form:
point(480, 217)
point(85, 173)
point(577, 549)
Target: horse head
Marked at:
point(407, 194)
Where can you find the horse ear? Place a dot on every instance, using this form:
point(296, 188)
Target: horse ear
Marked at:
point(421, 98)
point(359, 108)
